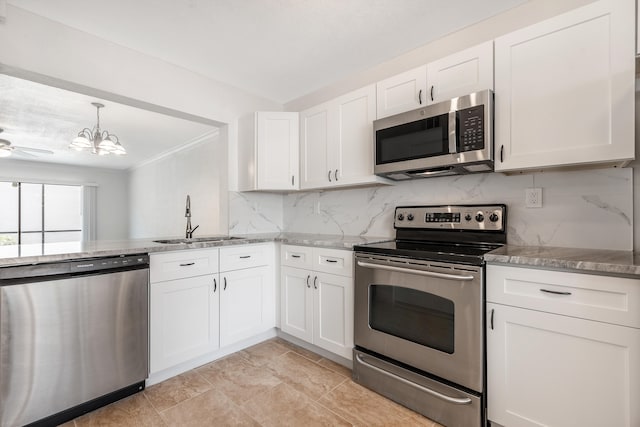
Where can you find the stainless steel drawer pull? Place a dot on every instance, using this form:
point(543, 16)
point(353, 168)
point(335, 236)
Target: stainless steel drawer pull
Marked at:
point(555, 292)
point(454, 400)
point(332, 260)
point(412, 271)
point(295, 256)
point(245, 256)
point(187, 264)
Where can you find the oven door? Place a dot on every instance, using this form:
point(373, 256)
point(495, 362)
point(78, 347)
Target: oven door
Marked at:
point(424, 314)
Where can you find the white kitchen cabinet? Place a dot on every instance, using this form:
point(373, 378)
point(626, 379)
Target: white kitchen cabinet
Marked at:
point(336, 142)
point(268, 151)
point(458, 74)
point(242, 304)
point(564, 90)
point(247, 294)
point(562, 348)
point(184, 319)
point(317, 306)
point(461, 73)
point(403, 92)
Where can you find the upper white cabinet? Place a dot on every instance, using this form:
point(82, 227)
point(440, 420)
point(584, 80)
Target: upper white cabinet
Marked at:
point(461, 73)
point(563, 349)
point(564, 89)
point(402, 92)
point(336, 141)
point(269, 152)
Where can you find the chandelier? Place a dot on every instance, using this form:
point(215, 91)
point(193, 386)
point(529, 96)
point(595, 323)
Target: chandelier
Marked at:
point(99, 142)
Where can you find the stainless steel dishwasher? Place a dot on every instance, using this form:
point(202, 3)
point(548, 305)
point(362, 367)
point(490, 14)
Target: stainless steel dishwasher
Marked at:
point(73, 337)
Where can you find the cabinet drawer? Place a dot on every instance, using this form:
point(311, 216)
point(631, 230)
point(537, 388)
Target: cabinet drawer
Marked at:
point(245, 256)
point(333, 261)
point(603, 298)
point(181, 264)
point(296, 256)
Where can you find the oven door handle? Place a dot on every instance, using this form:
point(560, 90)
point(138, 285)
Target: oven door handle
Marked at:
point(420, 272)
point(454, 400)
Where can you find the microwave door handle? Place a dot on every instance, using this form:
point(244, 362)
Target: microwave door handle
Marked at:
point(415, 271)
point(452, 132)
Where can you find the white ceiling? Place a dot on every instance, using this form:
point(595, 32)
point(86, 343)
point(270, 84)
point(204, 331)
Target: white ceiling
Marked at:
point(279, 49)
point(38, 116)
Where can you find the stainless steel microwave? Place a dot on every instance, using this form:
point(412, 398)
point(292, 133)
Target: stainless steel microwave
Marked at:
point(448, 138)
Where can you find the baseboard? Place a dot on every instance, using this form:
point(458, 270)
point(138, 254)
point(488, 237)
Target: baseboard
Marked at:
point(321, 351)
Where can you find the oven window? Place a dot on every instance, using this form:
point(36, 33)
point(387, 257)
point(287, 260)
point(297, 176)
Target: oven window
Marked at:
point(415, 140)
point(412, 315)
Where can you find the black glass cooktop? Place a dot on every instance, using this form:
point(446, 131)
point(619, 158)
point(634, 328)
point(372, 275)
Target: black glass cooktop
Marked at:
point(463, 253)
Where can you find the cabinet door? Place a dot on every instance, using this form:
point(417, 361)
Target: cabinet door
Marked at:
point(565, 89)
point(462, 73)
point(242, 304)
point(547, 369)
point(314, 167)
point(183, 320)
point(333, 313)
point(402, 92)
point(277, 150)
point(350, 146)
point(296, 301)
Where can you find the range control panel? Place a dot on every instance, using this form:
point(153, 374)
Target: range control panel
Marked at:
point(452, 217)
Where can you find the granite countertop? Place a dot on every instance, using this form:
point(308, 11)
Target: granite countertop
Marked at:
point(51, 252)
point(581, 260)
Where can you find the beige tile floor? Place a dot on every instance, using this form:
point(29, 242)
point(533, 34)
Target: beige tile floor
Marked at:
point(274, 383)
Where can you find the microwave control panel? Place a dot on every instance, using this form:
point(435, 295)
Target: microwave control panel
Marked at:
point(470, 128)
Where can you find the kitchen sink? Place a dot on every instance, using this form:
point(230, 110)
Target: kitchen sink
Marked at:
point(198, 240)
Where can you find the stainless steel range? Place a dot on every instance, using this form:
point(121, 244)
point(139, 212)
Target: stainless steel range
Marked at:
point(419, 310)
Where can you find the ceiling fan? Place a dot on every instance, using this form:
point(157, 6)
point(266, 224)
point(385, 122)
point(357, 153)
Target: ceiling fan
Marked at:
point(7, 149)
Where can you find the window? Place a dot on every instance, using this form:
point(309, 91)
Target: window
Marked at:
point(40, 213)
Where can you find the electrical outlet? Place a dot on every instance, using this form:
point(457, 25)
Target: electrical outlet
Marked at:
point(533, 197)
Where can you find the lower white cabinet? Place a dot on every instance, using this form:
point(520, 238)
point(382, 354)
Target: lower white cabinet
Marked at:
point(315, 306)
point(242, 304)
point(548, 368)
point(184, 321)
point(247, 293)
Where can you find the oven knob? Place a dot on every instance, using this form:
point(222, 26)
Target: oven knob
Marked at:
point(479, 217)
point(400, 217)
point(410, 217)
point(493, 217)
point(467, 217)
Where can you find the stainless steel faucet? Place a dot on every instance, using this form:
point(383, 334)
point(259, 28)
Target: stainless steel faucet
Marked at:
point(187, 214)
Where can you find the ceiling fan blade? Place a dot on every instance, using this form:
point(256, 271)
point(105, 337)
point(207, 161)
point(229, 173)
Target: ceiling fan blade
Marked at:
point(19, 153)
point(35, 150)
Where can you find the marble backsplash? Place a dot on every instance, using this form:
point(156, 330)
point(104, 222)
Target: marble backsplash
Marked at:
point(584, 209)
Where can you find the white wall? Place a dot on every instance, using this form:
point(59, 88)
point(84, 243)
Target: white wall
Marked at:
point(112, 205)
point(43, 50)
point(158, 191)
point(526, 14)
